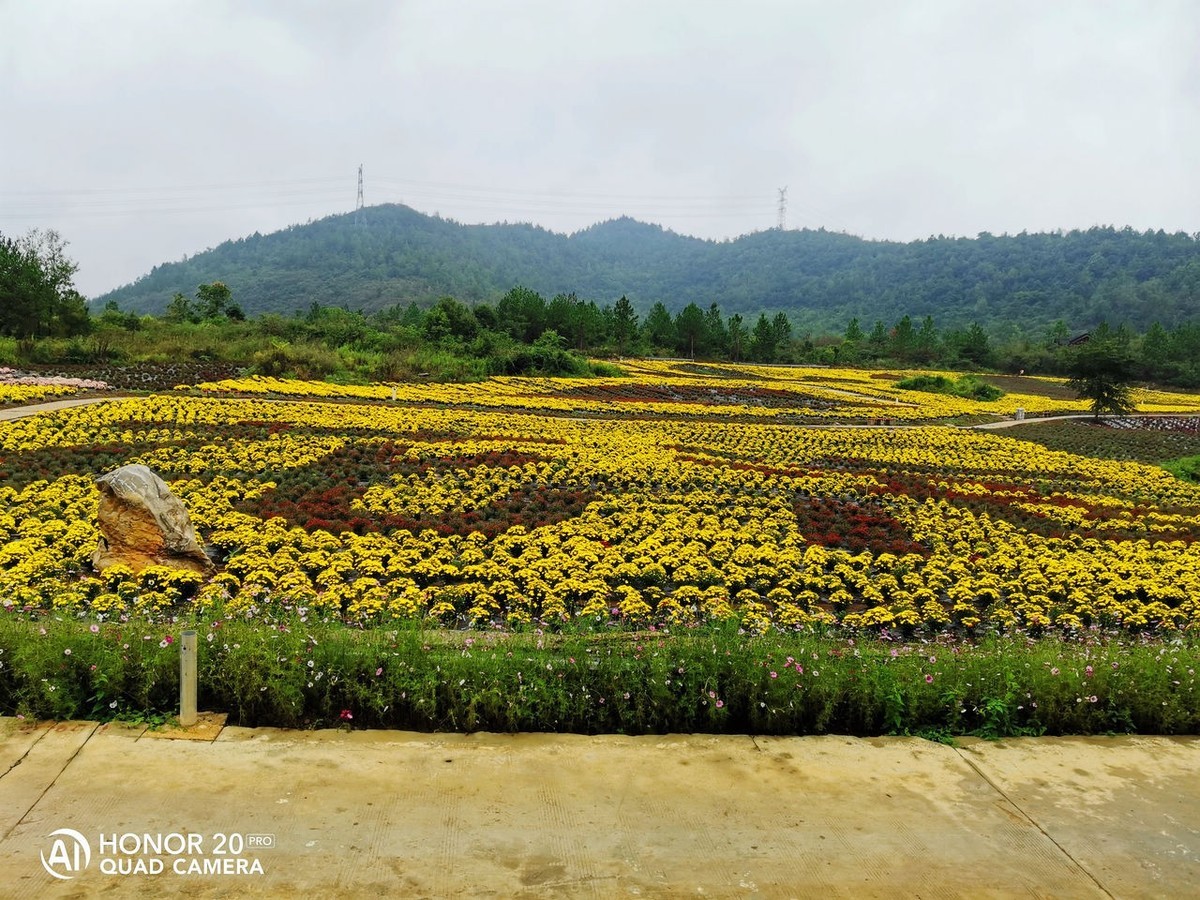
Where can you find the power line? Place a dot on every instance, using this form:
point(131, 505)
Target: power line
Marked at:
point(321, 195)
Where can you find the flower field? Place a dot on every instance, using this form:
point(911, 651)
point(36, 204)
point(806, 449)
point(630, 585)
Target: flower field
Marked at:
point(680, 496)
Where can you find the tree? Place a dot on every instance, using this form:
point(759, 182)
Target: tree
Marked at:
point(574, 320)
point(904, 337)
point(973, 345)
point(522, 313)
point(457, 320)
point(739, 337)
point(927, 342)
point(214, 300)
point(560, 313)
point(37, 295)
point(762, 344)
point(781, 330)
point(878, 338)
point(689, 329)
point(180, 309)
point(624, 323)
point(1102, 372)
point(716, 334)
point(659, 328)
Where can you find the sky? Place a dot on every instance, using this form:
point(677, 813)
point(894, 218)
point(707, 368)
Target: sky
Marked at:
point(144, 131)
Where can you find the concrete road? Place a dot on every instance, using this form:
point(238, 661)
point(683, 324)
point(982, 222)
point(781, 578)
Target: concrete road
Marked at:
point(21, 412)
point(239, 812)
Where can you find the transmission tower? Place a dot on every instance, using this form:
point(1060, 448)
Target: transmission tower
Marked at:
point(782, 208)
point(358, 203)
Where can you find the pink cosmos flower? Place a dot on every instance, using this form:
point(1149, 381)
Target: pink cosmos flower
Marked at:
point(347, 715)
point(929, 678)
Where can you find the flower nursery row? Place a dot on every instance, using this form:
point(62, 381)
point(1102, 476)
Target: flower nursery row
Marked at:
point(376, 513)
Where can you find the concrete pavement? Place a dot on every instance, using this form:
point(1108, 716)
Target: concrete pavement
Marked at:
point(263, 812)
point(20, 412)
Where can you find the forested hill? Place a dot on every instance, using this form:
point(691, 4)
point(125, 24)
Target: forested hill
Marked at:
point(821, 279)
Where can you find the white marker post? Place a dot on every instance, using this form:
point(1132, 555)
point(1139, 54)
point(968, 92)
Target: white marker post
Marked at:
point(187, 679)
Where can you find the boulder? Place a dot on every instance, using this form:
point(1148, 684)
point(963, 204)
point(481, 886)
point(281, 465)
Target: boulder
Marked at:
point(143, 524)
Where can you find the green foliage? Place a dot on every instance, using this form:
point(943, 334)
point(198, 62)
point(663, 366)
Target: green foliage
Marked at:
point(623, 324)
point(970, 386)
point(37, 295)
point(1187, 468)
point(306, 361)
point(545, 356)
point(1102, 372)
point(601, 369)
point(659, 328)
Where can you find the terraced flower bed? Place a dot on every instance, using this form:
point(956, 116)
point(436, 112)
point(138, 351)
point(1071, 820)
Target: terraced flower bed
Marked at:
point(381, 512)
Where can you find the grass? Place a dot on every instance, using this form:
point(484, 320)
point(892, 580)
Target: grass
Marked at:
point(1187, 468)
point(714, 679)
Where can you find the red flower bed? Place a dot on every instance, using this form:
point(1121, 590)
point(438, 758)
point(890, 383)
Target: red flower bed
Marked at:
point(854, 526)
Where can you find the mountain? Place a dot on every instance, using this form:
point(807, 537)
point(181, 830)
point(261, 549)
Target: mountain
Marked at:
point(821, 279)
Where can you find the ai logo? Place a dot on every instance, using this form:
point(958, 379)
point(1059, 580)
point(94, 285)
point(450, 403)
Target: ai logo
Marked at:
point(69, 854)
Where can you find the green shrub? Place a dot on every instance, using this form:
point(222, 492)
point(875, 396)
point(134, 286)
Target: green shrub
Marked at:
point(304, 361)
point(1187, 468)
point(971, 387)
point(601, 369)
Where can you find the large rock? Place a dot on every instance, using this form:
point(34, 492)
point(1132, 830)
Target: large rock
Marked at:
point(144, 524)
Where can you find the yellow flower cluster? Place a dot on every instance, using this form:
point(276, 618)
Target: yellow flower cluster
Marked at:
point(32, 393)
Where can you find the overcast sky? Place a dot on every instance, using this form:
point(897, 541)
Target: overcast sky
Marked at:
point(144, 131)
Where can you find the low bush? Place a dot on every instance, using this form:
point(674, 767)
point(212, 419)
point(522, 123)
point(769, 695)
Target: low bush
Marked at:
point(308, 362)
point(972, 387)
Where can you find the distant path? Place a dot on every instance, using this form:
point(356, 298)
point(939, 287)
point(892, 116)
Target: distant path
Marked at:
point(20, 412)
point(1009, 423)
